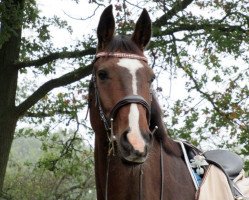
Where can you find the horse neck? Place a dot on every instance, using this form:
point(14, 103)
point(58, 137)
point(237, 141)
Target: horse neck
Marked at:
point(124, 179)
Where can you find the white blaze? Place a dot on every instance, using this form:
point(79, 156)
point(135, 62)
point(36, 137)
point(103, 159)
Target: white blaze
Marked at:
point(134, 136)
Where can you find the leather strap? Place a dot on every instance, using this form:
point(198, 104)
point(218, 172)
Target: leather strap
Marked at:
point(129, 100)
point(121, 55)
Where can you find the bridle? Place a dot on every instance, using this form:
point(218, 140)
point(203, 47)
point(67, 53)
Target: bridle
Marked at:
point(137, 99)
point(108, 120)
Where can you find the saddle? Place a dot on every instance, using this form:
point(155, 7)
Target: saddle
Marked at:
point(228, 162)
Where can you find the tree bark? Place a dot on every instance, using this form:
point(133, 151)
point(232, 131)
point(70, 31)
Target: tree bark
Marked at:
point(8, 117)
point(11, 29)
point(7, 129)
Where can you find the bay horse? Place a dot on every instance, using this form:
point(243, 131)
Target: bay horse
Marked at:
point(135, 159)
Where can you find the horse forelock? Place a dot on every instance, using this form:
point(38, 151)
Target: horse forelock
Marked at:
point(122, 44)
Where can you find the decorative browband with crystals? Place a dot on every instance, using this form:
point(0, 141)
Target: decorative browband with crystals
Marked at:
point(121, 55)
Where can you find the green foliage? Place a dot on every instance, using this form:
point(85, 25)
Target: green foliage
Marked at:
point(203, 55)
point(11, 19)
point(46, 165)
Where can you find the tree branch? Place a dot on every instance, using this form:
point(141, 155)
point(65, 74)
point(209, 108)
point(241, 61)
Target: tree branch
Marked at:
point(196, 84)
point(50, 85)
point(201, 26)
point(44, 114)
point(55, 56)
point(177, 7)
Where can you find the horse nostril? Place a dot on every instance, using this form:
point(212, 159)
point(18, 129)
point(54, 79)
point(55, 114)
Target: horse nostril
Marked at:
point(141, 154)
point(125, 142)
point(124, 135)
point(148, 137)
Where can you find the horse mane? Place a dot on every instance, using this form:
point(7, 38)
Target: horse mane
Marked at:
point(161, 134)
point(123, 44)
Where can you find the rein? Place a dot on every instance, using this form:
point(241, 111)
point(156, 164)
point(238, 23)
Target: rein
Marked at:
point(108, 121)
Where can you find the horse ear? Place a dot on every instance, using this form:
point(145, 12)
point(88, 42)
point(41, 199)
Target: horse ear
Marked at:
point(142, 33)
point(105, 28)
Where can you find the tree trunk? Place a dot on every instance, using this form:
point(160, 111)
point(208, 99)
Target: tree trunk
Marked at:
point(7, 128)
point(8, 117)
point(10, 33)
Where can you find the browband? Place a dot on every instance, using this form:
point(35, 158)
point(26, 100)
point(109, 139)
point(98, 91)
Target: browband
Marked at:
point(121, 55)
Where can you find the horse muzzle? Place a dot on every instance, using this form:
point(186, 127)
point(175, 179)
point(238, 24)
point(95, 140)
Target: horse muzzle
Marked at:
point(133, 147)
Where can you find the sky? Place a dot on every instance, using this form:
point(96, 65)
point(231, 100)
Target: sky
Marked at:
point(74, 14)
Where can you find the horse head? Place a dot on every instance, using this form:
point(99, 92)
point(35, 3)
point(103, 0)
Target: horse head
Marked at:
point(122, 87)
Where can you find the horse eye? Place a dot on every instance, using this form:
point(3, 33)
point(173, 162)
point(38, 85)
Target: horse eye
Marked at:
point(152, 78)
point(103, 75)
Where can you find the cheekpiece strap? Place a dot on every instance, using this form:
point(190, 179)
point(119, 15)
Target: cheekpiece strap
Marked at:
point(121, 55)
